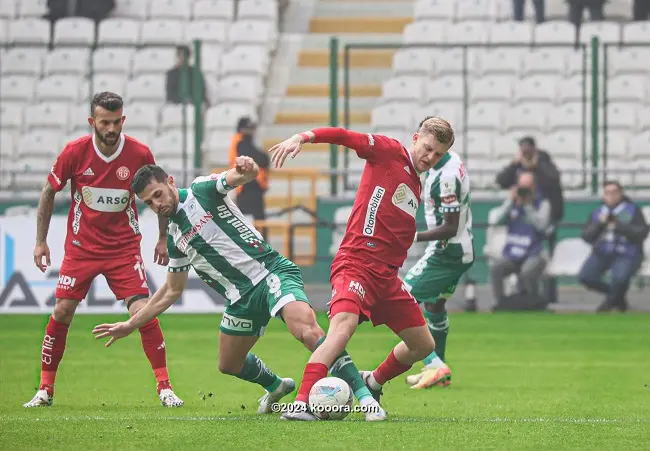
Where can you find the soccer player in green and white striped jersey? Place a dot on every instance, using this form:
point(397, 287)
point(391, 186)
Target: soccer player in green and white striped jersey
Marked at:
point(209, 233)
point(450, 253)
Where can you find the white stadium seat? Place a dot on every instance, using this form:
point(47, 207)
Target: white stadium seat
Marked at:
point(78, 115)
point(466, 33)
point(558, 32)
point(148, 88)
point(244, 60)
point(134, 9)
point(6, 146)
point(492, 88)
point(423, 33)
point(4, 32)
point(639, 144)
point(22, 61)
point(141, 115)
point(445, 88)
point(32, 8)
point(607, 32)
point(511, 32)
point(52, 115)
point(74, 30)
point(454, 61)
point(450, 111)
point(162, 31)
point(218, 143)
point(171, 144)
point(643, 119)
point(30, 172)
point(256, 32)
point(468, 10)
point(11, 116)
point(17, 87)
point(67, 61)
point(207, 31)
point(636, 32)
point(571, 89)
point(631, 60)
point(66, 88)
point(8, 9)
point(406, 89)
point(153, 60)
point(258, 9)
point(568, 116)
point(144, 135)
point(39, 142)
point(29, 31)
point(108, 82)
point(544, 61)
point(225, 115)
point(393, 116)
point(211, 60)
point(501, 61)
point(118, 31)
point(485, 116)
point(538, 88)
point(526, 117)
point(170, 9)
point(563, 143)
point(239, 89)
point(617, 143)
point(412, 62)
point(171, 117)
point(223, 10)
point(630, 88)
point(621, 116)
point(440, 10)
point(113, 60)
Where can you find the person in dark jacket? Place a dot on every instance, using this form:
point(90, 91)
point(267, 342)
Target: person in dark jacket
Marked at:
point(173, 79)
point(616, 230)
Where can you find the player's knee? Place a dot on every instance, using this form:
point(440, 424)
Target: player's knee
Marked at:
point(64, 310)
point(436, 307)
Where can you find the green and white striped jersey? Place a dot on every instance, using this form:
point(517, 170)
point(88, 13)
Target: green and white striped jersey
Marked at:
point(209, 233)
point(446, 189)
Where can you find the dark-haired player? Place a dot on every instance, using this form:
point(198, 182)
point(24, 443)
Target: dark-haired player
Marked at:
point(103, 238)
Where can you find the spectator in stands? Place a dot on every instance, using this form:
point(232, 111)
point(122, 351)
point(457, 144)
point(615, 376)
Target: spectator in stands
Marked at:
point(520, 5)
point(527, 215)
point(641, 10)
point(250, 197)
point(616, 230)
point(94, 9)
point(174, 88)
point(577, 7)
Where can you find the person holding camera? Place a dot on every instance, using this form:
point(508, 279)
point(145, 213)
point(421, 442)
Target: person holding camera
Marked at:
point(527, 216)
point(616, 230)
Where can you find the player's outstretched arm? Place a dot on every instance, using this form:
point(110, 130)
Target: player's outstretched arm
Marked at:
point(162, 299)
point(44, 216)
point(360, 142)
point(448, 229)
point(245, 171)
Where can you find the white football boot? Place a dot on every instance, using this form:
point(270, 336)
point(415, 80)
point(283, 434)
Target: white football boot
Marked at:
point(266, 402)
point(298, 411)
point(40, 399)
point(169, 399)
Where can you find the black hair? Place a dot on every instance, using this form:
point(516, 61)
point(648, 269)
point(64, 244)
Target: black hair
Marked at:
point(183, 50)
point(107, 100)
point(145, 175)
point(528, 140)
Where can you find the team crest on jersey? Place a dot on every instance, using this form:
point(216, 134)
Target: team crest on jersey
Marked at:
point(123, 173)
point(405, 200)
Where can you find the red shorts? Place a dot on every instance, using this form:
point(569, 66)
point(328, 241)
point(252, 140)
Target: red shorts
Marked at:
point(126, 276)
point(375, 292)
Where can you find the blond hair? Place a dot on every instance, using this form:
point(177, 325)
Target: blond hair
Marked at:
point(439, 128)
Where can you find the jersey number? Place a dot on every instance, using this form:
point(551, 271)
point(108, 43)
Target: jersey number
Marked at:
point(139, 266)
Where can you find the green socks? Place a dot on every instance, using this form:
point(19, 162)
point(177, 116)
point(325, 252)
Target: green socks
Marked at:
point(439, 327)
point(256, 372)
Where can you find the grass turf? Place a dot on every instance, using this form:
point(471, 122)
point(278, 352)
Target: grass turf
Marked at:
point(521, 381)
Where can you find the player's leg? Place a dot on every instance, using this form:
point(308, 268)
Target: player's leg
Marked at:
point(127, 279)
point(73, 285)
point(241, 326)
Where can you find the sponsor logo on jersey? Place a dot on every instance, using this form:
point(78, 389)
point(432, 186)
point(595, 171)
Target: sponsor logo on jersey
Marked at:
point(371, 244)
point(76, 217)
point(107, 200)
point(237, 324)
point(123, 173)
point(196, 228)
point(66, 282)
point(371, 140)
point(407, 169)
point(373, 208)
point(58, 180)
point(356, 288)
point(88, 172)
point(405, 200)
point(245, 233)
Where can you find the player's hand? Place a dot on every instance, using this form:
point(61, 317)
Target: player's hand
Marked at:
point(41, 250)
point(281, 151)
point(246, 166)
point(160, 252)
point(115, 331)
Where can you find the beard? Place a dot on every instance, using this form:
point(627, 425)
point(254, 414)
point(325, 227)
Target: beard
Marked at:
point(110, 139)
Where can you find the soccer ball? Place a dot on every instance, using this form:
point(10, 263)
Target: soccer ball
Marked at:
point(330, 399)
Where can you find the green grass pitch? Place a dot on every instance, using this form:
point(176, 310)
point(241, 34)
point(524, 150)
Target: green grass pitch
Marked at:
point(520, 381)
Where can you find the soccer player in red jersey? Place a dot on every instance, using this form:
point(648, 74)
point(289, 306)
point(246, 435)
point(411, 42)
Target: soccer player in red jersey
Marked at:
point(381, 229)
point(103, 238)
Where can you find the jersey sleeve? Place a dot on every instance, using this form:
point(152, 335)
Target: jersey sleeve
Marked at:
point(213, 182)
point(178, 262)
point(449, 192)
point(62, 170)
point(148, 156)
point(370, 147)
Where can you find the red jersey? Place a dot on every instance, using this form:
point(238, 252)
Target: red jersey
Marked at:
point(382, 223)
point(103, 219)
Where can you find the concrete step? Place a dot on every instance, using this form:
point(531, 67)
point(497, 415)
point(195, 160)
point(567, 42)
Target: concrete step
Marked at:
point(312, 75)
point(322, 40)
point(323, 90)
point(280, 132)
point(359, 24)
point(322, 104)
point(307, 117)
point(382, 59)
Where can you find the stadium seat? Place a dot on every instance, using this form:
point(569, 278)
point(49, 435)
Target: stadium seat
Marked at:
point(8, 9)
point(639, 145)
point(32, 8)
point(17, 87)
point(403, 89)
point(239, 88)
point(223, 10)
point(511, 32)
point(153, 60)
point(423, 33)
point(438, 10)
point(4, 33)
point(567, 116)
point(59, 88)
point(642, 179)
point(564, 144)
point(171, 117)
point(568, 257)
point(257, 9)
point(454, 61)
point(31, 172)
point(252, 32)
point(643, 119)
point(148, 88)
point(144, 135)
point(619, 170)
point(444, 89)
point(171, 144)
point(607, 32)
point(67, 61)
point(621, 116)
point(571, 171)
point(113, 60)
point(11, 116)
point(247, 60)
point(109, 82)
point(480, 145)
point(51, 115)
point(412, 62)
point(22, 61)
point(571, 89)
point(208, 31)
point(466, 33)
point(617, 143)
point(74, 31)
point(485, 116)
point(544, 61)
point(6, 144)
point(211, 60)
point(501, 61)
point(558, 32)
point(132, 9)
point(218, 143)
point(141, 115)
point(538, 88)
point(630, 88)
point(170, 9)
point(78, 115)
point(224, 116)
point(527, 118)
point(636, 32)
point(29, 31)
point(577, 63)
point(118, 31)
point(472, 10)
point(39, 142)
point(393, 116)
point(498, 88)
point(447, 110)
point(162, 32)
point(627, 61)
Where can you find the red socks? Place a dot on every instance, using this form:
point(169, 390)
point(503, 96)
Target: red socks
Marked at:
point(389, 369)
point(153, 344)
point(52, 353)
point(313, 373)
